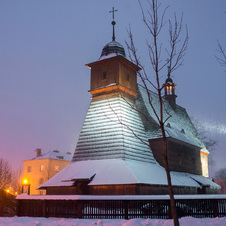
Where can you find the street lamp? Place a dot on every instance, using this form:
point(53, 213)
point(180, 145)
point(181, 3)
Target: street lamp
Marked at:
point(25, 186)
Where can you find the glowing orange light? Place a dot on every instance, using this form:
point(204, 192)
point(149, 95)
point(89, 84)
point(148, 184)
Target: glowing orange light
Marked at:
point(8, 190)
point(16, 193)
point(25, 181)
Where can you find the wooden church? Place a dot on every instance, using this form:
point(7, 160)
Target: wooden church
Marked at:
point(119, 152)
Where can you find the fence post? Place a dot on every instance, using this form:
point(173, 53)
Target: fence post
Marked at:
point(79, 209)
point(215, 208)
point(125, 206)
point(169, 210)
point(44, 208)
point(18, 207)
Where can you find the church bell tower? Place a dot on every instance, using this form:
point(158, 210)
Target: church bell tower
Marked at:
point(106, 133)
point(113, 72)
point(169, 88)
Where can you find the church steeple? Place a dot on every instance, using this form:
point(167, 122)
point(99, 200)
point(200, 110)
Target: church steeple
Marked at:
point(113, 73)
point(113, 48)
point(169, 88)
point(113, 22)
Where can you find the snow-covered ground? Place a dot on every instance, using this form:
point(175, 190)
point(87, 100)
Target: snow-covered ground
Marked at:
point(39, 221)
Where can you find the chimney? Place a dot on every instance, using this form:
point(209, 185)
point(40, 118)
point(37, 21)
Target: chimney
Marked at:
point(38, 152)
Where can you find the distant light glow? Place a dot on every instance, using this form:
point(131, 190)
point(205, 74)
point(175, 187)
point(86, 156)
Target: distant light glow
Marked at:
point(25, 181)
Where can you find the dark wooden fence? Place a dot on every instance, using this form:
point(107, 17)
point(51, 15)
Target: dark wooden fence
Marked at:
point(7, 204)
point(127, 207)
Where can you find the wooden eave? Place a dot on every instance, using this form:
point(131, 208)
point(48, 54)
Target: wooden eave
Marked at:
point(178, 141)
point(111, 89)
point(118, 58)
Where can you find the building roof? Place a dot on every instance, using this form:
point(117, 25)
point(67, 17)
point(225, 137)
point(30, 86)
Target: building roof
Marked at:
point(178, 125)
point(118, 171)
point(110, 144)
point(112, 48)
point(113, 145)
point(104, 136)
point(55, 154)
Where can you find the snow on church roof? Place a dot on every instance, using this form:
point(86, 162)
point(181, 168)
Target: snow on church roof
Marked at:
point(118, 171)
point(103, 136)
point(100, 160)
point(112, 48)
point(108, 153)
point(178, 125)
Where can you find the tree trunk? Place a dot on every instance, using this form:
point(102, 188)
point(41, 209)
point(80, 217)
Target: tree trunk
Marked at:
point(170, 188)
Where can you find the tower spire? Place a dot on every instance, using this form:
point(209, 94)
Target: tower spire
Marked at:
point(168, 72)
point(113, 22)
point(169, 87)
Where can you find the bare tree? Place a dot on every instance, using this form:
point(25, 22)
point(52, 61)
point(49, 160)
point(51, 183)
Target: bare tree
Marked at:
point(48, 172)
point(17, 181)
point(220, 178)
point(221, 174)
point(221, 57)
point(7, 200)
point(175, 51)
point(5, 174)
point(209, 142)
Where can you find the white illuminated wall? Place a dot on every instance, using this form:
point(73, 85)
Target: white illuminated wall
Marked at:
point(112, 129)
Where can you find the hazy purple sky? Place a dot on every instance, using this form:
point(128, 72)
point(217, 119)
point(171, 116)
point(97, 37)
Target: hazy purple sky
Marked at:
point(45, 44)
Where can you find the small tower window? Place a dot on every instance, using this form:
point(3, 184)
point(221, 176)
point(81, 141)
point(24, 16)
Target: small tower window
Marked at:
point(42, 168)
point(56, 168)
point(41, 181)
point(168, 125)
point(104, 75)
point(169, 89)
point(127, 78)
point(29, 169)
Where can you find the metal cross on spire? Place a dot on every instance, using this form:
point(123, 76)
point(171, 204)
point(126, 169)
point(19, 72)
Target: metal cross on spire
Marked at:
point(113, 22)
point(113, 12)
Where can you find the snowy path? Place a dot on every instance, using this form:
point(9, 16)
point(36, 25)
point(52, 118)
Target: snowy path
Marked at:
point(186, 221)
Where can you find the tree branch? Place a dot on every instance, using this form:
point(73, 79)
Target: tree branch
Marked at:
point(222, 58)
